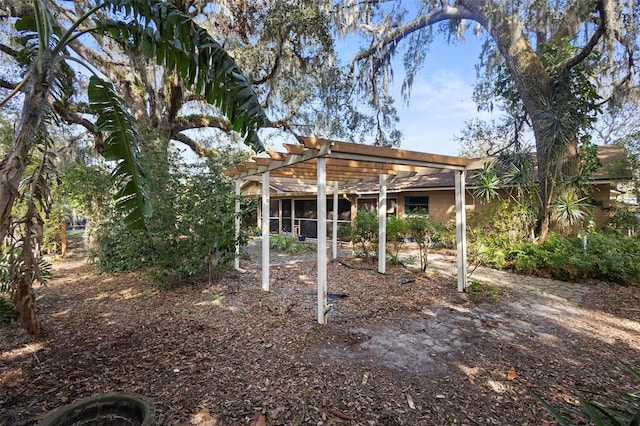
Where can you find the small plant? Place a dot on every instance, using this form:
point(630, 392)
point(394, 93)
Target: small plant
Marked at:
point(8, 311)
point(396, 233)
point(422, 229)
point(364, 233)
point(290, 246)
point(482, 293)
point(620, 409)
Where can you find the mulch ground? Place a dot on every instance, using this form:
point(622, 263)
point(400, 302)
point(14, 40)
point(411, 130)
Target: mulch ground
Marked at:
point(228, 353)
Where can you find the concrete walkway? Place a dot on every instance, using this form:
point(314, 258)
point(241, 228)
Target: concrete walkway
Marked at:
point(535, 289)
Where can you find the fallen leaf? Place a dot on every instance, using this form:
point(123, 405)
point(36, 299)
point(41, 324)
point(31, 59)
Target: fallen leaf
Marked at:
point(340, 414)
point(511, 375)
point(260, 421)
point(410, 402)
point(365, 379)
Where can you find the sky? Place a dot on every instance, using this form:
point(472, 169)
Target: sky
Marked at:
point(441, 98)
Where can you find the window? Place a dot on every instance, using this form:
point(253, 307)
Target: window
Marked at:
point(416, 205)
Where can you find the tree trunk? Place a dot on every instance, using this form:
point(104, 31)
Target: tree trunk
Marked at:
point(63, 239)
point(25, 300)
point(14, 164)
point(536, 90)
point(12, 169)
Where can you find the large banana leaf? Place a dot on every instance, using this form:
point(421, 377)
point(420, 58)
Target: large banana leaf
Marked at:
point(165, 33)
point(120, 145)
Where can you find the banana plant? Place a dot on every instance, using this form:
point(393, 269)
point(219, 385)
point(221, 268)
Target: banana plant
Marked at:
point(163, 33)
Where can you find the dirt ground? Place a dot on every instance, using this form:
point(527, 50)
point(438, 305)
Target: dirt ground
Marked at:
point(402, 348)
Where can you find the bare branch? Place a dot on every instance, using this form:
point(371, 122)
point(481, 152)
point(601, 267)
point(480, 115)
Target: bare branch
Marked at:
point(573, 19)
point(8, 50)
point(195, 147)
point(197, 121)
point(446, 13)
point(591, 44)
point(5, 84)
point(71, 117)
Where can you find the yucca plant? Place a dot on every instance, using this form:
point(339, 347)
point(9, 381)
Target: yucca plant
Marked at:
point(163, 32)
point(487, 183)
point(568, 210)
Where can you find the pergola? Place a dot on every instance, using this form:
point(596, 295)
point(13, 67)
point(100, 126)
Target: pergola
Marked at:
point(323, 162)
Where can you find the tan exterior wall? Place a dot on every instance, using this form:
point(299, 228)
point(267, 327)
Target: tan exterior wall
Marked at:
point(442, 204)
point(601, 195)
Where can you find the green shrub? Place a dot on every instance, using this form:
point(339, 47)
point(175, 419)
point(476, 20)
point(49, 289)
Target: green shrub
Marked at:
point(191, 233)
point(422, 229)
point(8, 311)
point(364, 233)
point(397, 230)
point(495, 233)
point(608, 256)
point(289, 245)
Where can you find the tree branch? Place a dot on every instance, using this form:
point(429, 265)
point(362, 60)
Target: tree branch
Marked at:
point(574, 18)
point(197, 121)
point(447, 12)
point(591, 44)
point(8, 50)
point(5, 84)
point(71, 117)
point(195, 147)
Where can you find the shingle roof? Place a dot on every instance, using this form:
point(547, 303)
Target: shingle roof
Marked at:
point(609, 155)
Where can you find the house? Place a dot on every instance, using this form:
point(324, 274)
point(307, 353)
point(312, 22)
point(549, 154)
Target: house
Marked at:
point(348, 177)
point(293, 205)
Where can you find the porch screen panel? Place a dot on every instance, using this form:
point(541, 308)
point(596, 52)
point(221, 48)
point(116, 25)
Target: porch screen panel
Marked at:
point(274, 216)
point(286, 215)
point(306, 217)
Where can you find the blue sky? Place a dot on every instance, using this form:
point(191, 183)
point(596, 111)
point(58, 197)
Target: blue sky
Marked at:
point(441, 98)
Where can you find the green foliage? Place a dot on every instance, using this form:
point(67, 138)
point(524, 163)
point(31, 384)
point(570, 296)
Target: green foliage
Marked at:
point(605, 255)
point(625, 219)
point(631, 144)
point(11, 260)
point(397, 230)
point(120, 145)
point(176, 42)
point(494, 231)
point(481, 292)
point(487, 183)
point(422, 229)
point(192, 231)
point(364, 233)
point(289, 246)
point(569, 211)
point(619, 409)
point(8, 311)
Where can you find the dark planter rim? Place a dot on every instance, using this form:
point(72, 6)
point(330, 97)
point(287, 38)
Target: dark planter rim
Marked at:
point(72, 413)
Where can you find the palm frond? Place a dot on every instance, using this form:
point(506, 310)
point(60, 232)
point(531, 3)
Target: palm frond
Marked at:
point(121, 145)
point(172, 38)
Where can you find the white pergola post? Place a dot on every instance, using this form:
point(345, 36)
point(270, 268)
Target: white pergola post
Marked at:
point(322, 239)
point(236, 260)
point(461, 225)
point(382, 225)
point(293, 218)
point(265, 231)
point(334, 239)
